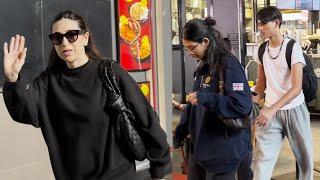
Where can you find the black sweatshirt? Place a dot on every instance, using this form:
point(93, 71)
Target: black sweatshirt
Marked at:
point(70, 107)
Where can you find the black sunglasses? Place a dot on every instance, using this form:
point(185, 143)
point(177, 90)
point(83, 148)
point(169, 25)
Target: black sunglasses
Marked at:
point(71, 36)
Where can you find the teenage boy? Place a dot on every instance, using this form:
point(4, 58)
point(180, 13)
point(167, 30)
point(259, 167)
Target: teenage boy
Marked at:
point(285, 113)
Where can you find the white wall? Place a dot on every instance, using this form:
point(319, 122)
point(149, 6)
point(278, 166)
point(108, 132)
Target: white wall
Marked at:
point(23, 152)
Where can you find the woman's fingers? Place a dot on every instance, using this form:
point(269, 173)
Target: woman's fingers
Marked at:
point(14, 57)
point(5, 49)
point(192, 98)
point(16, 43)
point(11, 45)
point(23, 55)
point(21, 44)
point(14, 52)
point(194, 101)
point(16, 46)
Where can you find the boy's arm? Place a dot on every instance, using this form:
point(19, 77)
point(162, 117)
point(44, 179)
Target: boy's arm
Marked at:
point(260, 84)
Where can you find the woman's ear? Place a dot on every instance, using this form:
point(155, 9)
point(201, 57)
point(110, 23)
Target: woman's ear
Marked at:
point(205, 42)
point(86, 38)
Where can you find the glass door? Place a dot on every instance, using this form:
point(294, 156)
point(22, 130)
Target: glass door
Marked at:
point(183, 11)
point(196, 9)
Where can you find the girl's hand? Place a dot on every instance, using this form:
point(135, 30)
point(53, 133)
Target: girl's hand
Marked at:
point(192, 98)
point(14, 57)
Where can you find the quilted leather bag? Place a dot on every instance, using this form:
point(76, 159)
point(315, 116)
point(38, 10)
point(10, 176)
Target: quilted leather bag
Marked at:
point(125, 125)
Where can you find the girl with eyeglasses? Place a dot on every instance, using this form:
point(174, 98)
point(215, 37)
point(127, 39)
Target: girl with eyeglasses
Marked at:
point(69, 103)
point(216, 149)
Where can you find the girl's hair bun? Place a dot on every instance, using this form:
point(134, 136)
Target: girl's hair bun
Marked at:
point(209, 21)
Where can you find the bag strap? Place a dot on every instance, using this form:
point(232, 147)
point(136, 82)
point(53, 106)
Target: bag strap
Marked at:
point(221, 81)
point(261, 50)
point(108, 76)
point(289, 52)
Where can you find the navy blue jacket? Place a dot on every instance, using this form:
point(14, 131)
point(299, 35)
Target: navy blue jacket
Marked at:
point(216, 147)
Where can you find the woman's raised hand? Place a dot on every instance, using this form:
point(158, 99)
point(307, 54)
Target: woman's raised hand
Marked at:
point(14, 57)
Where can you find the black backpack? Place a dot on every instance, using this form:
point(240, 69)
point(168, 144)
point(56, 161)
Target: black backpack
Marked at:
point(309, 81)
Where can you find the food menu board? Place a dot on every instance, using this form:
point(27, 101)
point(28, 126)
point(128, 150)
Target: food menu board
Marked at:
point(316, 5)
point(135, 33)
point(304, 4)
point(299, 4)
point(286, 4)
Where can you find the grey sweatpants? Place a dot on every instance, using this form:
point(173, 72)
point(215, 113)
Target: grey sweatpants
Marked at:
point(295, 125)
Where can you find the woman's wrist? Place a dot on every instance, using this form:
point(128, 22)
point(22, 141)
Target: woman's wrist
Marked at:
point(12, 78)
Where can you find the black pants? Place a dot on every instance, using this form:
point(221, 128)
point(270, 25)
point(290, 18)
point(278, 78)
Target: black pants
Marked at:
point(196, 172)
point(244, 171)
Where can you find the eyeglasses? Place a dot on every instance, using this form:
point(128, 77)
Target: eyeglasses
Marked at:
point(192, 48)
point(71, 36)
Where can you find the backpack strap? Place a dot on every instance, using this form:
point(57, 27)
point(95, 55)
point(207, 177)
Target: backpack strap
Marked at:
point(261, 51)
point(289, 52)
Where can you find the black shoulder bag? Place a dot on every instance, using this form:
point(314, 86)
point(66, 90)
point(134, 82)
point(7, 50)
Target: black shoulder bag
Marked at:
point(125, 125)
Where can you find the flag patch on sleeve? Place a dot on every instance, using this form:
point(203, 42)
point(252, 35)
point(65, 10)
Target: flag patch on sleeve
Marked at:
point(237, 86)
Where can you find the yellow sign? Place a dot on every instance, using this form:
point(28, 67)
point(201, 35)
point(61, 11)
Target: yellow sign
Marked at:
point(251, 83)
point(145, 89)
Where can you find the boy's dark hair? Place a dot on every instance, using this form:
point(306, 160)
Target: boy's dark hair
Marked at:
point(268, 14)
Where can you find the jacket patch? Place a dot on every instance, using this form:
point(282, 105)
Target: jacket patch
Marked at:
point(237, 86)
point(205, 82)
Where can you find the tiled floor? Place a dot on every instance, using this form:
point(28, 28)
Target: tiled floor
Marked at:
point(285, 167)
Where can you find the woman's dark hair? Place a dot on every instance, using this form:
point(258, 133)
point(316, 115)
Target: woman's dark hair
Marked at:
point(227, 44)
point(91, 49)
point(197, 29)
point(268, 14)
